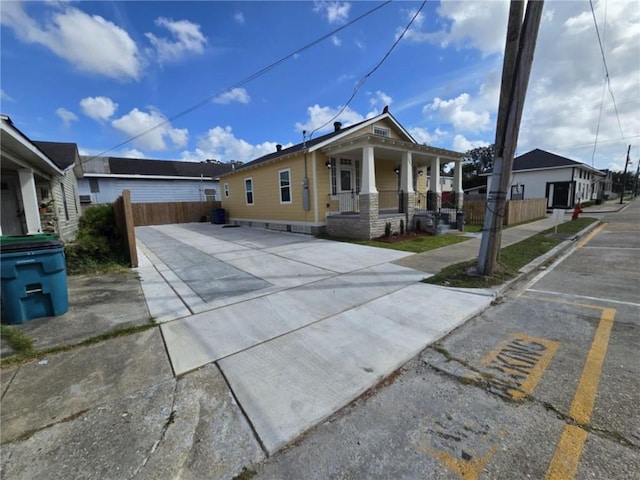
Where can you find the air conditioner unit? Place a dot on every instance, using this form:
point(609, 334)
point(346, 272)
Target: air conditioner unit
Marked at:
point(85, 198)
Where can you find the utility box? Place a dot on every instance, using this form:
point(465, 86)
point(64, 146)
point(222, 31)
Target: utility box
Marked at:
point(218, 216)
point(34, 277)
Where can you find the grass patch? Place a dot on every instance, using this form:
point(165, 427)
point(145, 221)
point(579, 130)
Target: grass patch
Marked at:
point(472, 228)
point(512, 259)
point(17, 340)
point(31, 354)
point(414, 245)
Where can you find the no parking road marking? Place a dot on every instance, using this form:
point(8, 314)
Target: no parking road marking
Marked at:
point(523, 359)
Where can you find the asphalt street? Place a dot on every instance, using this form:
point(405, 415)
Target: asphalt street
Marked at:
point(544, 384)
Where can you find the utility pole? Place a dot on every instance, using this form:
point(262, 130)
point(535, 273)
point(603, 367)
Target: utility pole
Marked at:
point(624, 175)
point(516, 69)
point(635, 188)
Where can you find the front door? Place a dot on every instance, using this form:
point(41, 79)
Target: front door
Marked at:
point(558, 193)
point(346, 186)
point(12, 223)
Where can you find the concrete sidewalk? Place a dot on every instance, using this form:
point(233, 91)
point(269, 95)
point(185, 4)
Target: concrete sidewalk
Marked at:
point(325, 322)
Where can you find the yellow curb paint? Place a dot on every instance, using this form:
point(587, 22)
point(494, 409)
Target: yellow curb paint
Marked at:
point(593, 233)
point(566, 458)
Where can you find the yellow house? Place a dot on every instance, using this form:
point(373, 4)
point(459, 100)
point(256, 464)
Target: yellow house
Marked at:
point(347, 183)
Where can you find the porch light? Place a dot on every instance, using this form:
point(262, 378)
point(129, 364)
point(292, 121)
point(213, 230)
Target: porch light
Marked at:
point(327, 164)
point(420, 172)
point(397, 170)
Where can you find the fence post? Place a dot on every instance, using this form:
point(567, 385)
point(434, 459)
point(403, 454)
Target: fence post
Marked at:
point(130, 236)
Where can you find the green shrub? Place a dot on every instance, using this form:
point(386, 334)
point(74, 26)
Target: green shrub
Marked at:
point(401, 227)
point(98, 241)
point(387, 229)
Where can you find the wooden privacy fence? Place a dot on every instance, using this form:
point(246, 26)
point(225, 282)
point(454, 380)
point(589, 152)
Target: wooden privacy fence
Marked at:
point(517, 211)
point(172, 212)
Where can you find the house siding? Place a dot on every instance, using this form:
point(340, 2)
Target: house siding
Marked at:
point(148, 191)
point(66, 228)
point(266, 193)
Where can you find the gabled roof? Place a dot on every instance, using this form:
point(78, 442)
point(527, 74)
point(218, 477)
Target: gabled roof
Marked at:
point(152, 168)
point(316, 143)
point(15, 141)
point(542, 160)
point(62, 154)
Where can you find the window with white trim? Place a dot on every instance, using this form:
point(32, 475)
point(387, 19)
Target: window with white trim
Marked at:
point(248, 190)
point(285, 185)
point(381, 131)
point(226, 190)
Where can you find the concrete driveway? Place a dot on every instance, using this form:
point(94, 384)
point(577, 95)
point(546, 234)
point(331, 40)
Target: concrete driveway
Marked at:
point(298, 326)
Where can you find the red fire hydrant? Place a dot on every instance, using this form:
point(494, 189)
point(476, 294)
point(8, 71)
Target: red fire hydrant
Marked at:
point(576, 211)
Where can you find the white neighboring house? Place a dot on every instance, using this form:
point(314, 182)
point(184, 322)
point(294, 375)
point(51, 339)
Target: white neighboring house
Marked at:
point(562, 181)
point(446, 182)
point(101, 180)
point(39, 190)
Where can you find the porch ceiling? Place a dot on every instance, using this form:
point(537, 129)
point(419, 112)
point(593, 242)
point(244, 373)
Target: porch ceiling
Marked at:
point(392, 149)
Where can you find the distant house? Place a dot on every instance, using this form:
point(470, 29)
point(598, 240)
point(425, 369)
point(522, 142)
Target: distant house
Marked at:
point(101, 180)
point(562, 181)
point(350, 182)
point(39, 190)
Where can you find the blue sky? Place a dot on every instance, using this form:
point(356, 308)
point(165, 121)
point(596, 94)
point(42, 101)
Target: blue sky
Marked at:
point(99, 73)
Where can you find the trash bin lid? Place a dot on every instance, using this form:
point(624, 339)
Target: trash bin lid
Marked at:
point(22, 243)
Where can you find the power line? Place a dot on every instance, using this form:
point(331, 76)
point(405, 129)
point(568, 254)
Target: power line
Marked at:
point(604, 84)
point(606, 69)
point(366, 77)
point(246, 80)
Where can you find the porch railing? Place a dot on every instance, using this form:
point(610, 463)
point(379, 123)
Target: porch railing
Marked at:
point(389, 201)
point(344, 202)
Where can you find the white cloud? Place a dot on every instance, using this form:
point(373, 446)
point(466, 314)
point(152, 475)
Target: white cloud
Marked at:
point(319, 116)
point(221, 143)
point(187, 38)
point(66, 116)
point(422, 135)
point(239, 17)
point(98, 108)
point(565, 92)
point(89, 42)
point(136, 122)
point(461, 144)
point(453, 111)
point(336, 40)
point(469, 23)
point(131, 153)
point(239, 95)
point(336, 12)
point(5, 97)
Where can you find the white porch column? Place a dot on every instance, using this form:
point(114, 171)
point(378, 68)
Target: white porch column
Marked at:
point(368, 171)
point(29, 200)
point(406, 172)
point(435, 176)
point(457, 183)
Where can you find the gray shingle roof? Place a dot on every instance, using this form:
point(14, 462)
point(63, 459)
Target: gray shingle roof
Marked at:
point(60, 153)
point(172, 168)
point(541, 159)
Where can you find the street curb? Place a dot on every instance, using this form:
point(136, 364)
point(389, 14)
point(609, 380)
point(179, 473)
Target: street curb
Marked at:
point(535, 265)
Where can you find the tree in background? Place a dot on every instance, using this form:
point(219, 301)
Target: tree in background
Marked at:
point(476, 161)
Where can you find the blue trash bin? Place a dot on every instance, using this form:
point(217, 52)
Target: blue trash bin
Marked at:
point(34, 278)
